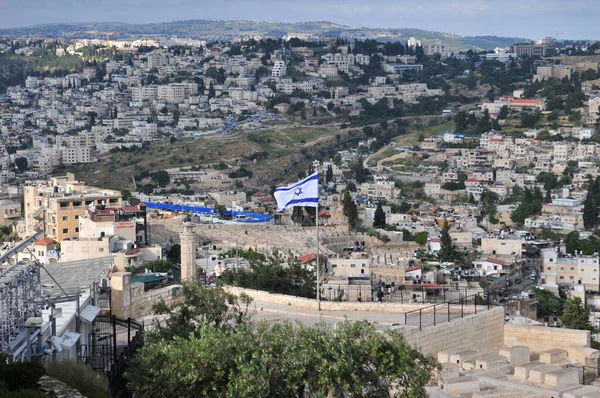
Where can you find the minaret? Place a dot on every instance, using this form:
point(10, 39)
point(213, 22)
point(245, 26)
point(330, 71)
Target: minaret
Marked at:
point(188, 250)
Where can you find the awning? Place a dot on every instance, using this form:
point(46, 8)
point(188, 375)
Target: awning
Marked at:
point(55, 342)
point(69, 339)
point(89, 313)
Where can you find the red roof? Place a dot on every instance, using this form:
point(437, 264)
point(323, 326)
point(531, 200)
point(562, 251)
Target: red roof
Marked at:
point(417, 267)
point(324, 213)
point(44, 242)
point(435, 240)
point(495, 261)
point(258, 194)
point(307, 258)
point(471, 180)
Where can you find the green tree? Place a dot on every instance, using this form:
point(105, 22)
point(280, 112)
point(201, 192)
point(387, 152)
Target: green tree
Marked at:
point(590, 211)
point(447, 251)
point(548, 303)
point(328, 174)
point(176, 114)
point(211, 91)
point(282, 360)
point(174, 253)
point(576, 315)
point(158, 266)
point(379, 217)
point(421, 238)
point(572, 242)
point(350, 210)
point(21, 164)
point(503, 114)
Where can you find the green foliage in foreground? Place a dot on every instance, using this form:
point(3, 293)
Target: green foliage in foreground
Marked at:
point(80, 377)
point(210, 347)
point(282, 360)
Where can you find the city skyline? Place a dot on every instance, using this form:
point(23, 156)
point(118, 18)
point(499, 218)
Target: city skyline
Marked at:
point(534, 19)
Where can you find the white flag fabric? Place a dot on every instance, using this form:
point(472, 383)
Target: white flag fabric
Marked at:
point(302, 193)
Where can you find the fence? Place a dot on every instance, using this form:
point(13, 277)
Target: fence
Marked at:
point(362, 292)
point(248, 217)
point(272, 284)
point(445, 312)
point(113, 342)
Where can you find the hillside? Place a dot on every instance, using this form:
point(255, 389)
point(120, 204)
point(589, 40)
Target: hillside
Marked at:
point(227, 30)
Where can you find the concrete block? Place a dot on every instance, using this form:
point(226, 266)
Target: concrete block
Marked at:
point(464, 356)
point(444, 355)
point(584, 392)
point(492, 363)
point(560, 391)
point(522, 371)
point(516, 355)
point(563, 377)
point(468, 366)
point(449, 371)
point(555, 355)
point(459, 386)
point(538, 374)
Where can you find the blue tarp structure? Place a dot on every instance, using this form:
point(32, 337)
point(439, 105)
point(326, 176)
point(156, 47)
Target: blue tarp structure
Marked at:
point(250, 217)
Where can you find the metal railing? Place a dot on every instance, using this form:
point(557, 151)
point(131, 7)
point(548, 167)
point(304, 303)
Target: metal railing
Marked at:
point(445, 312)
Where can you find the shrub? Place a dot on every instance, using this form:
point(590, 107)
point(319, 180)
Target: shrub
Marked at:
point(21, 375)
point(80, 377)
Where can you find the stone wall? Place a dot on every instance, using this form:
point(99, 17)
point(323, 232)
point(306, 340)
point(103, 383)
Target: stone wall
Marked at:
point(301, 302)
point(540, 338)
point(142, 302)
point(481, 331)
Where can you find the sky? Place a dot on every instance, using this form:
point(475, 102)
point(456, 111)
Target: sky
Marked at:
point(534, 19)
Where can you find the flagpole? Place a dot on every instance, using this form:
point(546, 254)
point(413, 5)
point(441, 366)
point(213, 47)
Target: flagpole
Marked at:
point(318, 259)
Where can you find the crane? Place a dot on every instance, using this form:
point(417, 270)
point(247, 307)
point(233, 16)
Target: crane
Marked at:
point(556, 34)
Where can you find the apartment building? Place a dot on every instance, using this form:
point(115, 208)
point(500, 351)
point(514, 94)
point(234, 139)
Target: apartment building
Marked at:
point(571, 269)
point(383, 190)
point(56, 205)
point(145, 93)
point(76, 155)
point(172, 93)
point(157, 60)
point(10, 211)
point(279, 69)
point(356, 264)
point(529, 49)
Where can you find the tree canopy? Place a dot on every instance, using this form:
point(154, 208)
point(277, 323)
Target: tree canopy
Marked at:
point(211, 355)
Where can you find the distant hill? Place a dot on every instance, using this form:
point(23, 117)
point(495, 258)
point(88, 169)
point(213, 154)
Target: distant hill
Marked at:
point(226, 30)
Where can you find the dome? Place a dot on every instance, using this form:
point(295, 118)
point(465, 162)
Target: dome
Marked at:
point(187, 218)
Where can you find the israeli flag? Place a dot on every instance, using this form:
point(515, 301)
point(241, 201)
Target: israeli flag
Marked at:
point(302, 193)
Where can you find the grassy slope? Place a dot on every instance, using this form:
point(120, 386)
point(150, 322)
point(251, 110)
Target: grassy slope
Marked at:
point(115, 170)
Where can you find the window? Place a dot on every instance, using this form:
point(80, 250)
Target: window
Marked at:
point(364, 265)
point(562, 277)
point(573, 269)
point(571, 277)
point(65, 218)
point(40, 253)
point(549, 268)
point(65, 230)
point(77, 217)
point(101, 249)
point(352, 265)
point(76, 229)
point(551, 260)
point(562, 268)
